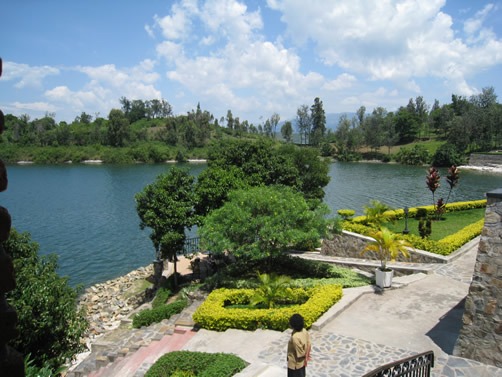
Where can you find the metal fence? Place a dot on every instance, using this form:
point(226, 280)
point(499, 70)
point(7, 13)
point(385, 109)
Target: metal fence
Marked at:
point(191, 245)
point(415, 366)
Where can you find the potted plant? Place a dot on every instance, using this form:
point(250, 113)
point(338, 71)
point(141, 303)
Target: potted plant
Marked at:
point(386, 246)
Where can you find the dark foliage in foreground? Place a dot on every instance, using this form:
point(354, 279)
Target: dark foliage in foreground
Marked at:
point(201, 364)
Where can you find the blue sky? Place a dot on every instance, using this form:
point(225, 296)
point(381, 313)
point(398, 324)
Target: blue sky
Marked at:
point(253, 57)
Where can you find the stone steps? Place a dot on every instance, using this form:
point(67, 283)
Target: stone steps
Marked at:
point(138, 363)
point(121, 343)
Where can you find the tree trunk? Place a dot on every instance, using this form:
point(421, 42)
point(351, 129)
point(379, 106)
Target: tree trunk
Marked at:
point(158, 268)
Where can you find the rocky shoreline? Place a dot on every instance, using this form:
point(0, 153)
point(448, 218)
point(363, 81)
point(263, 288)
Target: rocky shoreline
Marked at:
point(107, 304)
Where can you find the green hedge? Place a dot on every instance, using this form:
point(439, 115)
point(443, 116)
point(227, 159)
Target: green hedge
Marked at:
point(200, 364)
point(397, 214)
point(149, 316)
point(213, 314)
point(444, 246)
point(161, 297)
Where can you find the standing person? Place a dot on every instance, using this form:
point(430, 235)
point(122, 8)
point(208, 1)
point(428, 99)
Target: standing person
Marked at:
point(298, 347)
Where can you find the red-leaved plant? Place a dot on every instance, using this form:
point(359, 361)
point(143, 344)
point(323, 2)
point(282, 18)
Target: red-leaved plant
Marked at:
point(433, 183)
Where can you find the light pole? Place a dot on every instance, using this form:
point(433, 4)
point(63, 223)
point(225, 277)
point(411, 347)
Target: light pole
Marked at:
point(406, 211)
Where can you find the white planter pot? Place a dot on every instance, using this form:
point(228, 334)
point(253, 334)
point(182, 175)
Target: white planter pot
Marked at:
point(383, 279)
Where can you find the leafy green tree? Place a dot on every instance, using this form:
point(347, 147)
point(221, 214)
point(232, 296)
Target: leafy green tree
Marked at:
point(50, 324)
point(263, 164)
point(407, 124)
point(312, 172)
point(213, 186)
point(118, 128)
point(318, 117)
point(274, 121)
point(446, 155)
point(262, 222)
point(304, 123)
point(287, 131)
point(417, 155)
point(166, 206)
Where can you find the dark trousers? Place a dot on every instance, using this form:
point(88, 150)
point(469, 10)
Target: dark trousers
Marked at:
point(296, 372)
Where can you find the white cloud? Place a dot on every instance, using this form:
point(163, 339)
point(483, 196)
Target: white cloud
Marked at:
point(33, 106)
point(175, 26)
point(395, 40)
point(472, 25)
point(243, 71)
point(343, 81)
point(27, 76)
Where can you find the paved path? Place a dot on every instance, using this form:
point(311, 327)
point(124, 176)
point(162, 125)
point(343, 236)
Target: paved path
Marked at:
point(366, 329)
point(371, 328)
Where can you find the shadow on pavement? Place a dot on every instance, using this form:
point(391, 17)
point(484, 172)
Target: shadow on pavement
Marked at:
point(446, 332)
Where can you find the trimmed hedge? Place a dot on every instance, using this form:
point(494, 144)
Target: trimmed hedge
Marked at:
point(213, 314)
point(149, 316)
point(200, 364)
point(397, 214)
point(444, 246)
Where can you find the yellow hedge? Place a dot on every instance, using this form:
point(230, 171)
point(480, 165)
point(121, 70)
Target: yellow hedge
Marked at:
point(397, 214)
point(444, 246)
point(213, 314)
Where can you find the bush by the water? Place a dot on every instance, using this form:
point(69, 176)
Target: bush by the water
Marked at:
point(49, 323)
point(149, 316)
point(200, 364)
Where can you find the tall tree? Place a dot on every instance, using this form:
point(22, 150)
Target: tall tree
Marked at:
point(230, 120)
point(118, 128)
point(287, 131)
point(166, 206)
point(274, 121)
point(303, 123)
point(318, 121)
point(262, 222)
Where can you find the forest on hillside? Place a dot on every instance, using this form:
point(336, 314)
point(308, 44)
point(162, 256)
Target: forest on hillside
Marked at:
point(147, 131)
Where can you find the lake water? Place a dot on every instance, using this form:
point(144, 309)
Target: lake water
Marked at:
point(86, 213)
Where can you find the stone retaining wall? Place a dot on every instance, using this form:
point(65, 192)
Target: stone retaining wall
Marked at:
point(481, 335)
point(477, 159)
point(350, 245)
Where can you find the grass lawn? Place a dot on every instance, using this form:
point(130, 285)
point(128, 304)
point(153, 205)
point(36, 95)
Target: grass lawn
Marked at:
point(451, 223)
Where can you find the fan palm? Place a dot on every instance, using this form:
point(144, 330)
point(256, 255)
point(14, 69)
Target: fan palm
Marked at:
point(387, 246)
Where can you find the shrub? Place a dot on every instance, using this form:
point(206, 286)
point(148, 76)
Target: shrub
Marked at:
point(161, 297)
point(199, 364)
point(346, 213)
point(149, 316)
point(417, 155)
point(50, 324)
point(213, 315)
point(444, 246)
point(447, 155)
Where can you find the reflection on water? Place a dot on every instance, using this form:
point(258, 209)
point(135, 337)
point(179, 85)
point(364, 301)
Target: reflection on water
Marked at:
point(87, 215)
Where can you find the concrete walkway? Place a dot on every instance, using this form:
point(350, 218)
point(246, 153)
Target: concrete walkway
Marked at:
point(366, 329)
point(370, 328)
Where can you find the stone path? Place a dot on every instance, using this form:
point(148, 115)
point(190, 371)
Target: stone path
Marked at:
point(366, 329)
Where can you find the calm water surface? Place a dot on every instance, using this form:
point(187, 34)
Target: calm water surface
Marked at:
point(86, 213)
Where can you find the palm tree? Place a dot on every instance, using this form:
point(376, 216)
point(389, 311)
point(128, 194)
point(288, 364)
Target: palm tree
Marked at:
point(375, 213)
point(387, 246)
point(271, 289)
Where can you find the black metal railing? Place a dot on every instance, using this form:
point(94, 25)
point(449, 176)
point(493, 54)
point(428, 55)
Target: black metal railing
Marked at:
point(415, 366)
point(191, 245)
